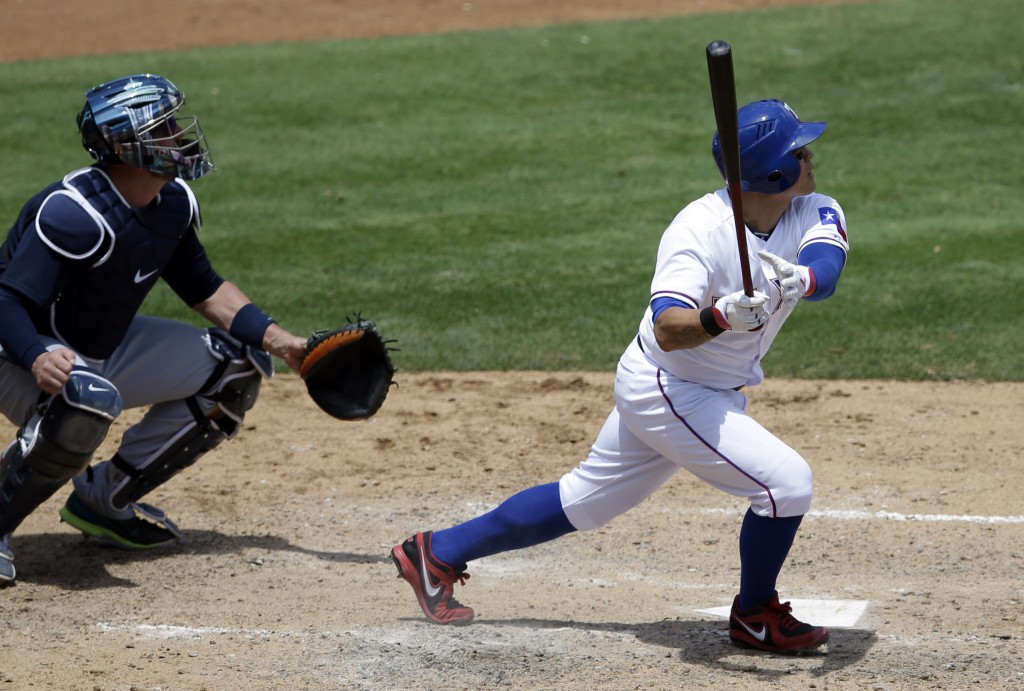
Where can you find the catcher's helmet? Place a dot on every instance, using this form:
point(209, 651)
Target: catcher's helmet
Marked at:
point(136, 121)
point(769, 132)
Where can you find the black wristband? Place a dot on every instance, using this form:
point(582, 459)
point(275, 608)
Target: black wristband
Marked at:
point(708, 321)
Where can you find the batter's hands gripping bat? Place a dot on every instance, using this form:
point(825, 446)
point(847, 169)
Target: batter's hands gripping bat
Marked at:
point(723, 95)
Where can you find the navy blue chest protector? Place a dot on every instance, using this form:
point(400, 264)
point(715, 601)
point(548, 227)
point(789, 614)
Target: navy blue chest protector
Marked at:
point(93, 312)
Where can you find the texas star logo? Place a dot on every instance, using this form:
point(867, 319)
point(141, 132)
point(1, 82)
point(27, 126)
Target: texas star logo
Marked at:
point(829, 217)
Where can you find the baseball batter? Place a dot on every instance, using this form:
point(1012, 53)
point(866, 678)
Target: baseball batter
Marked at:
point(678, 389)
point(74, 271)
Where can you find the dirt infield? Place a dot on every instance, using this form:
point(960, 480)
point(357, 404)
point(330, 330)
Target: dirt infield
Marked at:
point(283, 582)
point(63, 29)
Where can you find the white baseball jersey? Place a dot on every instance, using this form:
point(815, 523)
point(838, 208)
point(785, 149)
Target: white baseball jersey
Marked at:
point(680, 410)
point(698, 263)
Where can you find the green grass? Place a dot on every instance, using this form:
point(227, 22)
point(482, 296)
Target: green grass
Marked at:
point(495, 199)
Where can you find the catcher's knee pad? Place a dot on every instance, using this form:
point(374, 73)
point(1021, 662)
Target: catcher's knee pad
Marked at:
point(57, 444)
point(235, 383)
point(71, 426)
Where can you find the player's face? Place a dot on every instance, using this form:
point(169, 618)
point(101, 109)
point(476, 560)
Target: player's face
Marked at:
point(806, 183)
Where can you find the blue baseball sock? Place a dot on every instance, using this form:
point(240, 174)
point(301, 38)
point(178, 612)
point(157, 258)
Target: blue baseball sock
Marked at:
point(764, 546)
point(525, 519)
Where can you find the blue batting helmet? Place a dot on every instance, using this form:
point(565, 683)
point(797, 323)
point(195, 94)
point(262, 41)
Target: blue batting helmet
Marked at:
point(137, 121)
point(769, 132)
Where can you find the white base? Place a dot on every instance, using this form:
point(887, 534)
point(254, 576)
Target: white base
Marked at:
point(833, 613)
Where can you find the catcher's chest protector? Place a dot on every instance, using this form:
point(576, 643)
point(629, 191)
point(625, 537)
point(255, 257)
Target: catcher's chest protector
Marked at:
point(93, 314)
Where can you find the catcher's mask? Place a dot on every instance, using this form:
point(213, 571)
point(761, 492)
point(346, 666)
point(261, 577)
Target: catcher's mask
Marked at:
point(137, 121)
point(769, 134)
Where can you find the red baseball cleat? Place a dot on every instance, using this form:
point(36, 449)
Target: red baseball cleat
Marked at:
point(432, 580)
point(772, 628)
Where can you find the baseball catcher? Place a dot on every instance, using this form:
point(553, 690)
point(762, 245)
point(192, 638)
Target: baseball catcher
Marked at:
point(75, 350)
point(348, 370)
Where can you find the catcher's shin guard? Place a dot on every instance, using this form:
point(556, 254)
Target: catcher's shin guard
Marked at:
point(185, 449)
point(233, 387)
point(57, 444)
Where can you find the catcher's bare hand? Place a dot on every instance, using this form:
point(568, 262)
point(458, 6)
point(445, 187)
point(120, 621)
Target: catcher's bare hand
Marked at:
point(285, 345)
point(742, 312)
point(53, 368)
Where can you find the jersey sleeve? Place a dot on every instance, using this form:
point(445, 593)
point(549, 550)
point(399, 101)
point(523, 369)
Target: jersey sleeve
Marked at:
point(683, 268)
point(190, 274)
point(19, 337)
point(824, 221)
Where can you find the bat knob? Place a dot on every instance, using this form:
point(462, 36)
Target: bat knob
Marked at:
point(719, 49)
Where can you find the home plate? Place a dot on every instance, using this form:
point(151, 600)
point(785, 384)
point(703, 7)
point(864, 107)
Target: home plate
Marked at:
point(835, 613)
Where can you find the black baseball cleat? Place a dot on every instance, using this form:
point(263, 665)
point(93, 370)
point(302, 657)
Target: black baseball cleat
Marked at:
point(150, 527)
point(432, 580)
point(771, 627)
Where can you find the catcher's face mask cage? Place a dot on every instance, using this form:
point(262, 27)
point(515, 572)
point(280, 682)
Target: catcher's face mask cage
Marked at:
point(138, 121)
point(770, 132)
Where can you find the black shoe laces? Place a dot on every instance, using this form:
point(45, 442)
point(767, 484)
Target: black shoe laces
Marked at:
point(787, 622)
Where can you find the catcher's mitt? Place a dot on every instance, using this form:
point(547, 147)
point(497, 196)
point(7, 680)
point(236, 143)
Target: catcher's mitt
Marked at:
point(348, 370)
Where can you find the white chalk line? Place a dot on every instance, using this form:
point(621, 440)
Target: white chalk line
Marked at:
point(168, 631)
point(857, 515)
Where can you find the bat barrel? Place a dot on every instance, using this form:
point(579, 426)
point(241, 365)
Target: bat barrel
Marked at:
point(723, 96)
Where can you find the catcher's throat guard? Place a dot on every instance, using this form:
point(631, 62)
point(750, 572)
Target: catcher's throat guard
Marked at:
point(348, 371)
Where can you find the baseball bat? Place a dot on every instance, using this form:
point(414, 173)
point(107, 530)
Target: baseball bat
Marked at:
point(723, 96)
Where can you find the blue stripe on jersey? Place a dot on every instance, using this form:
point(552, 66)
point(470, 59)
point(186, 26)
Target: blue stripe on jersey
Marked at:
point(660, 304)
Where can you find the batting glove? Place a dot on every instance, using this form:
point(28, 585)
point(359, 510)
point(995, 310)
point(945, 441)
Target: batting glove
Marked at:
point(742, 312)
point(794, 279)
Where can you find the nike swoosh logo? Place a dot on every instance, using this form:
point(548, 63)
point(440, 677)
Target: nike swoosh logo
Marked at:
point(759, 635)
point(140, 277)
point(93, 387)
point(432, 590)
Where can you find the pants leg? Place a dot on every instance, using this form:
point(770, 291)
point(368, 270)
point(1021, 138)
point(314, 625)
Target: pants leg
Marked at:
point(162, 364)
point(661, 424)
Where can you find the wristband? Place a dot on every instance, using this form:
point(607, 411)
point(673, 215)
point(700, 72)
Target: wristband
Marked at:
point(708, 321)
point(249, 325)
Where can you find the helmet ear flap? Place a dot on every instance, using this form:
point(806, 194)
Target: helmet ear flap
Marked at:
point(92, 138)
point(782, 178)
point(778, 180)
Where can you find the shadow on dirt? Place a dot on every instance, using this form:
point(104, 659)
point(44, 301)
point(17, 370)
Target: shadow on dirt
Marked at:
point(707, 644)
point(73, 562)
